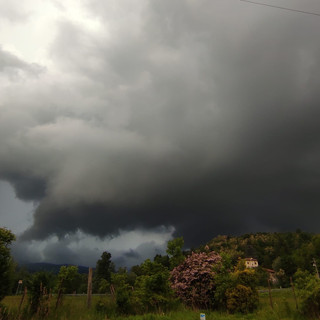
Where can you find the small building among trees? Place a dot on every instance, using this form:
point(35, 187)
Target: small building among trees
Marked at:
point(251, 263)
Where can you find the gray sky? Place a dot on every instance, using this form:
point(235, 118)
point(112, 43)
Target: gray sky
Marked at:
point(125, 123)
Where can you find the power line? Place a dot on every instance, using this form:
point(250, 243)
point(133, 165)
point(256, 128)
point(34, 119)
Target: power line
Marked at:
point(283, 8)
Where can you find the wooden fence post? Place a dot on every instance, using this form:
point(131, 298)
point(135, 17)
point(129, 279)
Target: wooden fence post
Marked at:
point(89, 290)
point(59, 294)
point(294, 294)
point(22, 299)
point(270, 297)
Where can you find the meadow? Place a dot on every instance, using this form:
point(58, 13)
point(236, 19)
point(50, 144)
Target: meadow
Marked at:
point(75, 308)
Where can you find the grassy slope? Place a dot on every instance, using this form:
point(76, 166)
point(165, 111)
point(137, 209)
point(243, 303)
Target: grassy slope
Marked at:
point(74, 308)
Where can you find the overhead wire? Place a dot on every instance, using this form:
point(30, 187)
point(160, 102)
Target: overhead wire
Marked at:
point(283, 8)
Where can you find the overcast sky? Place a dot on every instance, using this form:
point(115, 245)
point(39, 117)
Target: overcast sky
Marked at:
point(126, 123)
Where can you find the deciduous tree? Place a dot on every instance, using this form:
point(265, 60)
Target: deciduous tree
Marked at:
point(69, 279)
point(6, 238)
point(174, 250)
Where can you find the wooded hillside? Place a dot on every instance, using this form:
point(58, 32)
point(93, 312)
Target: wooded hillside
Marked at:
point(282, 252)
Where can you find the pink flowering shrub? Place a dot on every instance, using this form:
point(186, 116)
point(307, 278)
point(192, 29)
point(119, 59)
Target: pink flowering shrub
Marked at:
point(193, 280)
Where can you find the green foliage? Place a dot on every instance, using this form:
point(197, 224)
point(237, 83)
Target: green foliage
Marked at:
point(283, 252)
point(118, 279)
point(4, 312)
point(311, 301)
point(174, 250)
point(104, 267)
point(83, 284)
point(39, 288)
point(74, 308)
point(244, 296)
point(102, 275)
point(6, 263)
point(174, 247)
point(123, 299)
point(103, 286)
point(20, 274)
point(241, 299)
point(106, 307)
point(262, 277)
point(246, 277)
point(164, 260)
point(236, 289)
point(152, 289)
point(153, 293)
point(148, 291)
point(123, 292)
point(309, 291)
point(137, 270)
point(223, 281)
point(302, 278)
point(69, 279)
point(6, 238)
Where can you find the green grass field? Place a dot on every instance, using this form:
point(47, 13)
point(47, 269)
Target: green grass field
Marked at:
point(74, 308)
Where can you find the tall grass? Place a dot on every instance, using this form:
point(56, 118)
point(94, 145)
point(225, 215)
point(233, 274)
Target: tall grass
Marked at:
point(74, 308)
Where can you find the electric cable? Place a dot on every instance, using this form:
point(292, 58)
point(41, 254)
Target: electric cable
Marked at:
point(283, 8)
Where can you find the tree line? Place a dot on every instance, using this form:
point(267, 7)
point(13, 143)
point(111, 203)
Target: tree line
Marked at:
point(213, 276)
point(284, 253)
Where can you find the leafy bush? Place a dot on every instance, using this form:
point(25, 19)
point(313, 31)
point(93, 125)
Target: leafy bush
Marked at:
point(193, 280)
point(123, 293)
point(303, 278)
point(106, 307)
point(311, 302)
point(236, 290)
point(153, 293)
point(309, 291)
point(39, 288)
point(152, 289)
point(246, 277)
point(123, 300)
point(69, 279)
point(4, 313)
point(241, 299)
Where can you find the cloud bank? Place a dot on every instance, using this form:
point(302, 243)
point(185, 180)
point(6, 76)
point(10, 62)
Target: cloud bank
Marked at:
point(197, 115)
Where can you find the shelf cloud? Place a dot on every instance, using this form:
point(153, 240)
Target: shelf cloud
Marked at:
point(202, 116)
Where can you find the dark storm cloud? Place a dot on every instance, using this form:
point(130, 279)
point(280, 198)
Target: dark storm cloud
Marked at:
point(200, 115)
point(132, 257)
point(70, 249)
point(57, 252)
point(26, 188)
point(132, 254)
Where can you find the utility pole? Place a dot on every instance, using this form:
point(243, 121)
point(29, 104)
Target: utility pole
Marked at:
point(315, 265)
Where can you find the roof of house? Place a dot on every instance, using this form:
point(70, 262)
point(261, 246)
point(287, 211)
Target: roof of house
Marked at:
point(269, 270)
point(250, 259)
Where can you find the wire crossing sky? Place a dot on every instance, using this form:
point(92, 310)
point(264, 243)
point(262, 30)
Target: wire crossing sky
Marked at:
point(283, 8)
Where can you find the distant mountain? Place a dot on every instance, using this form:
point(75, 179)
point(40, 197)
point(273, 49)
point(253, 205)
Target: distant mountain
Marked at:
point(50, 267)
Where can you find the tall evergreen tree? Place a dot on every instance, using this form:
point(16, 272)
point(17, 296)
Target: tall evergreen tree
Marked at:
point(104, 268)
